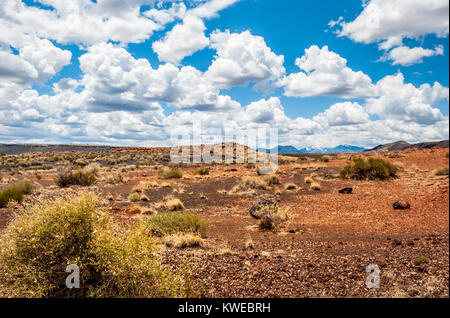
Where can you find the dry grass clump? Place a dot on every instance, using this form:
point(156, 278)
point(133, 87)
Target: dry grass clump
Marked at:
point(202, 171)
point(170, 223)
point(249, 245)
point(250, 183)
point(308, 180)
point(83, 176)
point(167, 173)
point(15, 192)
point(315, 186)
point(187, 240)
point(134, 197)
point(115, 178)
point(290, 186)
point(174, 204)
point(271, 180)
point(272, 217)
point(441, 172)
point(369, 169)
point(399, 164)
point(40, 243)
point(9, 195)
point(142, 186)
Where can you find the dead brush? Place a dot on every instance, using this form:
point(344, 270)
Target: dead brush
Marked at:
point(272, 217)
point(250, 183)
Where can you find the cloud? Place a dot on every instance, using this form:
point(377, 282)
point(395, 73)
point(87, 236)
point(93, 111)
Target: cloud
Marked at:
point(15, 69)
point(211, 8)
point(242, 58)
point(45, 57)
point(393, 20)
point(183, 40)
point(343, 114)
point(114, 80)
point(165, 16)
point(326, 73)
point(82, 22)
point(402, 101)
point(406, 56)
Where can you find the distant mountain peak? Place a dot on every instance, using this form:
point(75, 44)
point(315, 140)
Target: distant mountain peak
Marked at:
point(291, 149)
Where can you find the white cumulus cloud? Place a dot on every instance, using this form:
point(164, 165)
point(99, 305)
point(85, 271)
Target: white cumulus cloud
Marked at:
point(406, 56)
point(326, 73)
point(183, 40)
point(403, 101)
point(242, 58)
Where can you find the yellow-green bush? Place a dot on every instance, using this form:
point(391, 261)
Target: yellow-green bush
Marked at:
point(167, 173)
point(83, 176)
point(40, 243)
point(175, 222)
point(10, 194)
point(369, 169)
point(15, 192)
point(202, 171)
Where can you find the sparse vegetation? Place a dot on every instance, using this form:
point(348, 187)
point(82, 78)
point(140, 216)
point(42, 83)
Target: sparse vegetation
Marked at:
point(421, 260)
point(174, 204)
point(249, 245)
point(369, 169)
point(167, 173)
point(308, 180)
point(290, 186)
point(315, 186)
point(441, 172)
point(175, 222)
point(272, 217)
point(10, 194)
point(82, 176)
point(42, 241)
point(15, 192)
point(184, 240)
point(202, 171)
point(251, 183)
point(134, 197)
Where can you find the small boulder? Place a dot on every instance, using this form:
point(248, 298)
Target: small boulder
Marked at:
point(401, 205)
point(346, 190)
point(257, 206)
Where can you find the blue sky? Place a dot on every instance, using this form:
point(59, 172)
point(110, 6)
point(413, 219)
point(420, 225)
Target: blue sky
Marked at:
point(359, 84)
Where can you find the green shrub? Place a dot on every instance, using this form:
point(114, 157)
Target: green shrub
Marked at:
point(25, 186)
point(271, 217)
point(167, 173)
point(202, 171)
point(174, 222)
point(134, 197)
point(40, 243)
point(82, 176)
point(369, 169)
point(422, 260)
point(10, 194)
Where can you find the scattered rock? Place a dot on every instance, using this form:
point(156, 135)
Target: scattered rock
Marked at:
point(401, 205)
point(346, 190)
point(257, 206)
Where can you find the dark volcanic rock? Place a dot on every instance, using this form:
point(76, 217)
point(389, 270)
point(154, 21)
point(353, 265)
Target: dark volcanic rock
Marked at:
point(258, 205)
point(346, 190)
point(401, 205)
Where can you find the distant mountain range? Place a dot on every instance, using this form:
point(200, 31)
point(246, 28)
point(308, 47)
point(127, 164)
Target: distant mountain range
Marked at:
point(293, 150)
point(395, 146)
point(403, 145)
